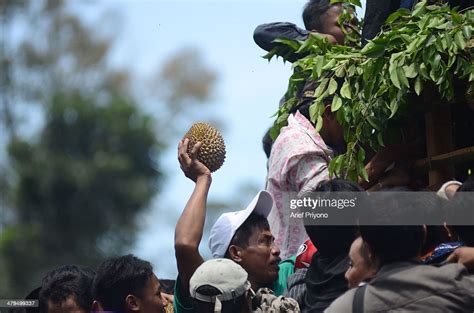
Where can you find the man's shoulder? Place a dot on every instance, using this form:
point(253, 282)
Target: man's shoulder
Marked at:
point(454, 276)
point(302, 141)
point(289, 131)
point(448, 279)
point(448, 273)
point(420, 287)
point(343, 303)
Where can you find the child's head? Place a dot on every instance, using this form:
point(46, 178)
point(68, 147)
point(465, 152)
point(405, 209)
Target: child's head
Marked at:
point(322, 17)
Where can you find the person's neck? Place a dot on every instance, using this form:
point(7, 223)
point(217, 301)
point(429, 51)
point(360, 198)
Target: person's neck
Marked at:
point(248, 307)
point(325, 135)
point(257, 285)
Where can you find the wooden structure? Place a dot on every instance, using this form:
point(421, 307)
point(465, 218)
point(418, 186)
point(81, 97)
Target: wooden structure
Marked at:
point(441, 156)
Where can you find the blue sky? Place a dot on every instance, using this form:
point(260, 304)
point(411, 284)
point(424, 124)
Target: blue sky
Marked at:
point(247, 93)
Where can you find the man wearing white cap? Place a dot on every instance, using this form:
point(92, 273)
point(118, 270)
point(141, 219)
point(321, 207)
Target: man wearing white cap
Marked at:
point(220, 285)
point(242, 236)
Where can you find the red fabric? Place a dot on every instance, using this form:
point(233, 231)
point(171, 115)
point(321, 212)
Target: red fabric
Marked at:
point(305, 254)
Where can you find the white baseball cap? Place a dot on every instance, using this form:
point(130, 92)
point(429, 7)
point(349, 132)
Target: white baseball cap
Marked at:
point(223, 274)
point(227, 224)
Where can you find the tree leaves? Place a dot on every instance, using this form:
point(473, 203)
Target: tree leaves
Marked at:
point(410, 71)
point(319, 124)
point(346, 90)
point(373, 50)
point(418, 85)
point(459, 40)
point(332, 86)
point(336, 103)
point(354, 2)
point(430, 46)
point(394, 76)
point(419, 9)
point(402, 78)
point(291, 43)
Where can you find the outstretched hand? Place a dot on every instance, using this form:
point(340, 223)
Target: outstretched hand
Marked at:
point(190, 165)
point(464, 256)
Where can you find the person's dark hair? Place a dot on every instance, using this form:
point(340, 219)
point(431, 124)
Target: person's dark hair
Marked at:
point(338, 185)
point(230, 306)
point(393, 243)
point(67, 281)
point(365, 254)
point(167, 285)
point(267, 143)
point(118, 277)
point(34, 295)
point(305, 98)
point(435, 234)
point(242, 234)
point(333, 240)
point(303, 108)
point(313, 12)
point(467, 186)
point(465, 233)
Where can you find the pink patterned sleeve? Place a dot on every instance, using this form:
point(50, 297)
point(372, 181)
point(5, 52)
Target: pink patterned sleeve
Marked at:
point(307, 171)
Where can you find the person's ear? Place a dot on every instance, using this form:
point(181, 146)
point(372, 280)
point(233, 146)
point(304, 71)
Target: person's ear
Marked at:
point(97, 307)
point(132, 303)
point(235, 253)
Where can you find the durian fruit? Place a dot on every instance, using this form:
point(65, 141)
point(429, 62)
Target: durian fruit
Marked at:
point(212, 152)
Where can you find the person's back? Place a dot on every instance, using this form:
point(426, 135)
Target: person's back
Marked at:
point(412, 287)
point(325, 280)
point(402, 282)
point(300, 155)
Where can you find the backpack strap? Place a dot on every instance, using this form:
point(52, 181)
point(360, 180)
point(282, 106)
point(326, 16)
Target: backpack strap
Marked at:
point(358, 302)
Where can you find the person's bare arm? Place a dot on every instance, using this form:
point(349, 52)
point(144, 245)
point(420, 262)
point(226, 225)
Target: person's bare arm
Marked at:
point(398, 176)
point(265, 35)
point(189, 229)
point(464, 256)
point(383, 159)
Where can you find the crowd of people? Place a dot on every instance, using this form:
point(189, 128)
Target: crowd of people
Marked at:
point(265, 261)
point(341, 268)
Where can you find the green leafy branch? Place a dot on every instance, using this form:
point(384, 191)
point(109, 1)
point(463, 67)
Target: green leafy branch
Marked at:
point(426, 49)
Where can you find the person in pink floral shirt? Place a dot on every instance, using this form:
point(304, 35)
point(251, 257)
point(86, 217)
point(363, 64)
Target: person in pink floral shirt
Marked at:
point(298, 162)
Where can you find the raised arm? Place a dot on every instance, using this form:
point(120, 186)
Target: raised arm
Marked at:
point(189, 229)
point(265, 34)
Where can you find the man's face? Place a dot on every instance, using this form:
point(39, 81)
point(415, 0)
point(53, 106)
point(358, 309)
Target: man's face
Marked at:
point(261, 257)
point(69, 305)
point(359, 270)
point(330, 23)
point(151, 300)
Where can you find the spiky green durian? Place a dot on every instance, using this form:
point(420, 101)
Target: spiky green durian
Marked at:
point(212, 152)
